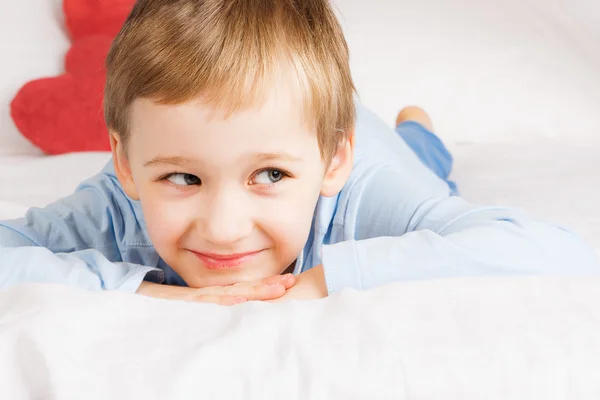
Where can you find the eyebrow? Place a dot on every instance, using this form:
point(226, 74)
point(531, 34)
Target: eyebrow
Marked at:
point(168, 160)
point(179, 161)
point(276, 157)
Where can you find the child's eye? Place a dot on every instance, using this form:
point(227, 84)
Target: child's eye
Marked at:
point(183, 179)
point(268, 177)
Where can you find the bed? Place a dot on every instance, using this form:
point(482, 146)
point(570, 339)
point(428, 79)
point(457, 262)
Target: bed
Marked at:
point(514, 90)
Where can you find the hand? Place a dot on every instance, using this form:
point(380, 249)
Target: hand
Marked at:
point(310, 285)
point(263, 289)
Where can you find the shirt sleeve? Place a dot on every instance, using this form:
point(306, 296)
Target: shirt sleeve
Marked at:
point(79, 241)
point(407, 230)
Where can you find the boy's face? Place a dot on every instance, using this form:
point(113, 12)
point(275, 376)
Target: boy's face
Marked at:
point(230, 199)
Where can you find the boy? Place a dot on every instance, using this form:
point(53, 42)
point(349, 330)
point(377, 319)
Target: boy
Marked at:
point(239, 154)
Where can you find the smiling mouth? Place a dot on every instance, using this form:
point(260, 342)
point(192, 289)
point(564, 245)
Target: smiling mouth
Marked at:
point(225, 261)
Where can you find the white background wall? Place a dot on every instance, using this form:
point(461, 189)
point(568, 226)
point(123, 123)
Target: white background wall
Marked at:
point(487, 70)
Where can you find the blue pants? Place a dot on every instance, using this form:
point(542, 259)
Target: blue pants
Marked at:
point(430, 150)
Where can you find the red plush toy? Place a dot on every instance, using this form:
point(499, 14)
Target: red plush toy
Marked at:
point(64, 114)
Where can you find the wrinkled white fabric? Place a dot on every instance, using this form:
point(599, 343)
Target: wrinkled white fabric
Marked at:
point(450, 339)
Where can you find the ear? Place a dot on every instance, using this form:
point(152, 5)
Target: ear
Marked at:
point(121, 164)
point(339, 168)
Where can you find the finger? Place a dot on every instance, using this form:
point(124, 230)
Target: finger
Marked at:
point(256, 292)
point(221, 300)
point(266, 292)
point(287, 280)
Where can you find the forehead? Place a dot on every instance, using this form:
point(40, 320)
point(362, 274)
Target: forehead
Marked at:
point(200, 130)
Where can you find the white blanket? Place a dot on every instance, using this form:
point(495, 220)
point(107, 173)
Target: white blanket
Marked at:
point(451, 339)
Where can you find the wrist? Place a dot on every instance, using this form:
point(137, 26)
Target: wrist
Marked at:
point(151, 289)
point(320, 283)
point(144, 288)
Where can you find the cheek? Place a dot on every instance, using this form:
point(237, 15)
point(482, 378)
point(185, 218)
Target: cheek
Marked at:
point(166, 220)
point(288, 219)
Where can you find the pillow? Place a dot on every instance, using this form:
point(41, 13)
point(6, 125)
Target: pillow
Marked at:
point(63, 114)
point(486, 70)
point(34, 45)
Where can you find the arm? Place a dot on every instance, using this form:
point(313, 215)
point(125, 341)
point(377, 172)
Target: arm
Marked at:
point(79, 241)
point(85, 269)
point(406, 229)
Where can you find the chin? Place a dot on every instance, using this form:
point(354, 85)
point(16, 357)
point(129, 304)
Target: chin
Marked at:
point(210, 278)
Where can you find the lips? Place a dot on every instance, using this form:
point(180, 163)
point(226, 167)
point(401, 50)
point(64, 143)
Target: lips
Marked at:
point(225, 261)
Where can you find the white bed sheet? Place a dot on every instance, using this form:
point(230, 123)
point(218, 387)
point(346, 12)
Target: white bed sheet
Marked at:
point(32, 181)
point(557, 182)
point(465, 339)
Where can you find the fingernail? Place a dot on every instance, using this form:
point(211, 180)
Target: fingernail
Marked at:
point(239, 299)
point(275, 285)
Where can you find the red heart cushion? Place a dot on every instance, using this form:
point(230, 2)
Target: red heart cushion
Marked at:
point(87, 55)
point(96, 17)
point(64, 114)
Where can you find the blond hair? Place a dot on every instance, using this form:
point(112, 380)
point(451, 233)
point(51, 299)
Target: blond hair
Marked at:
point(227, 51)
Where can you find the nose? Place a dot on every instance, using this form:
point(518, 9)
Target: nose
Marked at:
point(226, 218)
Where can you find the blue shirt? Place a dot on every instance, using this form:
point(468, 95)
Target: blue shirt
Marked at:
point(394, 220)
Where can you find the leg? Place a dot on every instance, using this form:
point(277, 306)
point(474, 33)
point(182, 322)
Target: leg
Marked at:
point(415, 127)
